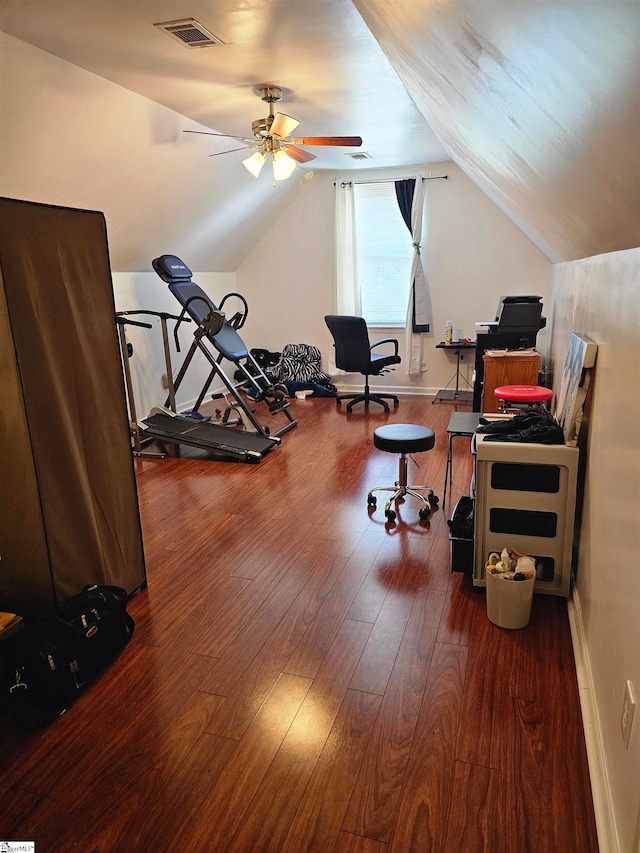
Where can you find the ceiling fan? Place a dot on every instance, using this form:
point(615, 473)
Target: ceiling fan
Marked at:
point(271, 137)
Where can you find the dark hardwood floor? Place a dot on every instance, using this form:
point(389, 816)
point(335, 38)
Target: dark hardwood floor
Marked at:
point(304, 678)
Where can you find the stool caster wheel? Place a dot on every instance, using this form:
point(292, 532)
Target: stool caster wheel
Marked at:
point(372, 502)
point(434, 500)
point(424, 513)
point(391, 516)
point(338, 403)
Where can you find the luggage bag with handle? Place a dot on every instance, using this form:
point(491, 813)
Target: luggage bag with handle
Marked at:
point(49, 664)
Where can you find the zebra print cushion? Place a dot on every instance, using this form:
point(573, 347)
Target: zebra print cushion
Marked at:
point(302, 363)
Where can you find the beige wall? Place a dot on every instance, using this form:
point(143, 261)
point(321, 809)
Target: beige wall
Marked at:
point(599, 297)
point(68, 137)
point(473, 255)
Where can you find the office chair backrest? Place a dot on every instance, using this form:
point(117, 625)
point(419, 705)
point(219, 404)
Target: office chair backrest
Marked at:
point(351, 338)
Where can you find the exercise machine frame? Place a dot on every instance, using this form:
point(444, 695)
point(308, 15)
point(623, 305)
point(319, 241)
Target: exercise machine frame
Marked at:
point(226, 344)
point(164, 424)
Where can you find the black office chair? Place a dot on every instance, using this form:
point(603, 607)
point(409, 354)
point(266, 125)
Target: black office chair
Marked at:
point(354, 354)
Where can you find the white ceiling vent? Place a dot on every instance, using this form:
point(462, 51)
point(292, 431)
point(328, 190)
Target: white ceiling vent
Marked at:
point(359, 155)
point(190, 33)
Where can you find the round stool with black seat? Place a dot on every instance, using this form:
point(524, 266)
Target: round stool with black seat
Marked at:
point(404, 439)
point(520, 397)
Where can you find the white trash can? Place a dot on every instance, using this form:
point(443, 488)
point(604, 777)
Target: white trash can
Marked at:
point(509, 601)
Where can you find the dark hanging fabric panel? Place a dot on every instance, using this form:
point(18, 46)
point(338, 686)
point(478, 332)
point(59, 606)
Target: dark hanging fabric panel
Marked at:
point(404, 193)
point(68, 503)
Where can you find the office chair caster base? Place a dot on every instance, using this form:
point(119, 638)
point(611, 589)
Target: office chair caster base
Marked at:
point(399, 492)
point(372, 398)
point(366, 405)
point(367, 398)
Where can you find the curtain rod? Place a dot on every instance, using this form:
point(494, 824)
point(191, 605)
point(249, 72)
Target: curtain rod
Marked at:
point(391, 180)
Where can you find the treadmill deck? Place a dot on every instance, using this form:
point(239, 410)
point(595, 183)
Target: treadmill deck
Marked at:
point(233, 443)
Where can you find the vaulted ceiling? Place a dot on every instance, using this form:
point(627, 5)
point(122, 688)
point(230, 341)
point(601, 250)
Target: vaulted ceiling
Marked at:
point(538, 102)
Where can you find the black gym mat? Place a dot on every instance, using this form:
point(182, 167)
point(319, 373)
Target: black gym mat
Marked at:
point(235, 443)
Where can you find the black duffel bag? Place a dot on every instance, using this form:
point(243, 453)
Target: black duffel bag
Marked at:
point(51, 662)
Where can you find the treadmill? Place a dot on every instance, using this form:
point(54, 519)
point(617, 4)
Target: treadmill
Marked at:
point(224, 442)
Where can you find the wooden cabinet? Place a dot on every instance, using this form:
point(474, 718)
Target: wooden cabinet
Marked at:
point(507, 369)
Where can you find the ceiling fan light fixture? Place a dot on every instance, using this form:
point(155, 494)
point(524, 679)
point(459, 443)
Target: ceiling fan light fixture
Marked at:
point(283, 125)
point(254, 163)
point(272, 136)
point(283, 166)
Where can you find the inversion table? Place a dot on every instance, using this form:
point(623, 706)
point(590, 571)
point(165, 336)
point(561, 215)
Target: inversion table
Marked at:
point(219, 343)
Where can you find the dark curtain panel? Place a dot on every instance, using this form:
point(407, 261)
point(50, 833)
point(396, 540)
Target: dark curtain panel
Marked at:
point(69, 419)
point(404, 194)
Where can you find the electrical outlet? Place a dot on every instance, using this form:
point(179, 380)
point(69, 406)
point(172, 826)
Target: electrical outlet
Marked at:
point(628, 707)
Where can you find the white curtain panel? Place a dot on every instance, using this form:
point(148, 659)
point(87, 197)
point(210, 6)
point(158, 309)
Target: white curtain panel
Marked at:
point(346, 288)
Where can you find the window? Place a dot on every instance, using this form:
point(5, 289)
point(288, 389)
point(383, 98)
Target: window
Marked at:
point(384, 249)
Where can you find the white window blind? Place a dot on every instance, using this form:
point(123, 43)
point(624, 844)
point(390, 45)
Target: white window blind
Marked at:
point(384, 249)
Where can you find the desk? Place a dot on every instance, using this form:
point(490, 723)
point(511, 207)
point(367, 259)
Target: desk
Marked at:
point(458, 395)
point(460, 423)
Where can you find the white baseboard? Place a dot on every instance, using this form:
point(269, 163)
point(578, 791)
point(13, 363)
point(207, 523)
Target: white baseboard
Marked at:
point(183, 406)
point(388, 389)
point(600, 786)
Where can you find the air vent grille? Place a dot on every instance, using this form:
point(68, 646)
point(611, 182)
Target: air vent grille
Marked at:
point(190, 33)
point(359, 155)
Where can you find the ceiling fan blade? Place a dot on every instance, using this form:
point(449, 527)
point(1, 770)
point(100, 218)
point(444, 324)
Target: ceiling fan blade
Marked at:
point(328, 140)
point(231, 150)
point(223, 135)
point(297, 153)
point(283, 125)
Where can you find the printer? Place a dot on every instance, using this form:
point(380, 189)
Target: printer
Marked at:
point(520, 314)
point(518, 321)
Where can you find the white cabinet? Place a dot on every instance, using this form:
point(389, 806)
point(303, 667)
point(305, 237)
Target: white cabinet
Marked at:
point(525, 498)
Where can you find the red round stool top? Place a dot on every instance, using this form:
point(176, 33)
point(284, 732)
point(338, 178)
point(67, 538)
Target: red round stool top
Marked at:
point(523, 393)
